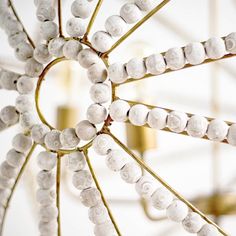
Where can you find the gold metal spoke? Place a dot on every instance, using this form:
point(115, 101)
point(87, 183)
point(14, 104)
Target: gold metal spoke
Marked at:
point(59, 12)
point(58, 193)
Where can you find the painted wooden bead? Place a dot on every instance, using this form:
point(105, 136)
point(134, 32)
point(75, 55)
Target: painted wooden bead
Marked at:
point(27, 120)
point(25, 85)
point(195, 53)
point(87, 57)
point(48, 213)
point(49, 30)
point(177, 121)
point(100, 93)
point(215, 48)
point(14, 158)
point(157, 118)
point(38, 2)
point(21, 143)
point(101, 41)
point(75, 27)
point(8, 171)
point(23, 51)
point(98, 214)
point(46, 179)
point(155, 64)
point(6, 182)
point(136, 68)
point(119, 110)
point(41, 54)
point(82, 179)
point(161, 198)
point(230, 43)
point(131, 172)
point(48, 228)
point(75, 161)
point(17, 38)
point(102, 144)
point(208, 230)
point(45, 12)
point(130, 13)
point(217, 130)
point(115, 160)
point(197, 126)
point(8, 79)
point(33, 68)
point(145, 186)
point(138, 114)
point(4, 196)
point(46, 160)
point(45, 196)
point(175, 58)
point(85, 130)
point(105, 229)
point(96, 113)
point(71, 49)
point(9, 115)
point(145, 5)
point(81, 8)
point(24, 103)
point(97, 73)
point(231, 136)
point(12, 26)
point(68, 138)
point(115, 26)
point(38, 132)
point(117, 73)
point(52, 140)
point(2, 125)
point(90, 197)
point(55, 47)
point(192, 223)
point(177, 211)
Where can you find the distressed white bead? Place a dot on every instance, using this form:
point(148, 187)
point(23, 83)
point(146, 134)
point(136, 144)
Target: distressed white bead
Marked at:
point(96, 113)
point(8, 79)
point(45, 12)
point(25, 85)
point(155, 64)
point(75, 161)
point(46, 179)
point(9, 115)
point(82, 179)
point(197, 126)
point(2, 125)
point(8, 171)
point(45, 196)
point(55, 47)
point(145, 186)
point(68, 138)
point(192, 223)
point(98, 214)
point(101, 41)
point(48, 228)
point(75, 27)
point(138, 114)
point(90, 197)
point(85, 130)
point(17, 38)
point(71, 49)
point(24, 103)
point(14, 158)
point(27, 120)
point(48, 213)
point(119, 110)
point(38, 132)
point(175, 59)
point(100, 93)
point(157, 118)
point(52, 140)
point(115, 160)
point(230, 43)
point(131, 172)
point(177, 211)
point(41, 54)
point(21, 143)
point(177, 121)
point(145, 5)
point(46, 160)
point(4, 196)
point(231, 136)
point(97, 73)
point(81, 8)
point(6, 182)
point(161, 198)
point(117, 73)
point(12, 26)
point(105, 229)
point(87, 57)
point(130, 13)
point(215, 48)
point(136, 68)
point(33, 68)
point(49, 30)
point(37, 2)
point(115, 26)
point(102, 144)
point(208, 230)
point(23, 51)
point(195, 53)
point(217, 130)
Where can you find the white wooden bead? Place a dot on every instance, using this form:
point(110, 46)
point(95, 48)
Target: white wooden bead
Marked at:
point(38, 2)
point(48, 213)
point(9, 115)
point(217, 130)
point(82, 179)
point(145, 5)
point(215, 48)
point(2, 125)
point(175, 59)
point(208, 230)
point(6, 182)
point(131, 172)
point(81, 8)
point(25, 85)
point(49, 30)
point(231, 136)
point(4, 196)
point(33, 68)
point(117, 73)
point(136, 68)
point(102, 144)
point(96, 113)
point(192, 223)
point(115, 160)
point(177, 211)
point(12, 26)
point(100, 93)
point(138, 114)
point(48, 228)
point(119, 110)
point(115, 26)
point(17, 38)
point(161, 198)
point(90, 197)
point(177, 121)
point(105, 229)
point(71, 49)
point(195, 53)
point(55, 47)
point(45, 196)
point(145, 186)
point(157, 118)
point(45, 12)
point(130, 13)
point(38, 132)
point(97, 73)
point(46, 179)
point(41, 54)
point(155, 64)
point(85, 130)
point(98, 214)
point(14, 158)
point(27, 120)
point(75, 161)
point(23, 51)
point(197, 126)
point(21, 143)
point(46, 160)
point(101, 41)
point(8, 171)
point(230, 43)
point(68, 138)
point(87, 57)
point(8, 80)
point(24, 103)
point(52, 140)
point(75, 27)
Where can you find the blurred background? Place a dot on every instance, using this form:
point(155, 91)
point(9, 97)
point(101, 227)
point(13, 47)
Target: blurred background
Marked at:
point(202, 171)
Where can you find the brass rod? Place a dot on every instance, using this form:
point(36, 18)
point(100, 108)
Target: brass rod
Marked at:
point(59, 12)
point(58, 193)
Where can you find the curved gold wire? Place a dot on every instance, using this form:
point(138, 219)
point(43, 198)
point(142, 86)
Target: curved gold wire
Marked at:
point(59, 12)
point(58, 193)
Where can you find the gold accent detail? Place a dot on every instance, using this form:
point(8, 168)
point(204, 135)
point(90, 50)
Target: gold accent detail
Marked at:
point(58, 193)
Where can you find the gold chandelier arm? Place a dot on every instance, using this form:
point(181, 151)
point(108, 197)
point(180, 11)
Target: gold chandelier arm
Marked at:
point(59, 12)
point(58, 193)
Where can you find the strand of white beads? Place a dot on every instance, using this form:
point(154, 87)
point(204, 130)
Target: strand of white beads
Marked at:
point(46, 194)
